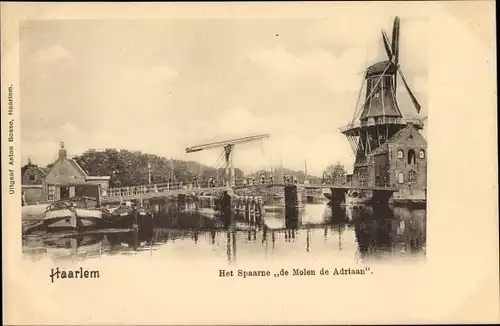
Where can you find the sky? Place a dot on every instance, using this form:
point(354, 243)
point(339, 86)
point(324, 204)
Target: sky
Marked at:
point(161, 85)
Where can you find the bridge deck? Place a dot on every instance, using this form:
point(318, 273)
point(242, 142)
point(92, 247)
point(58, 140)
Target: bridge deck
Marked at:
point(167, 190)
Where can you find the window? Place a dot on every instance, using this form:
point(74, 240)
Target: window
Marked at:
point(421, 154)
point(32, 177)
point(411, 156)
point(401, 177)
point(400, 154)
point(50, 189)
point(412, 176)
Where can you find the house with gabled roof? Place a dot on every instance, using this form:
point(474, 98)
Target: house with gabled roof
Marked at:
point(32, 177)
point(65, 179)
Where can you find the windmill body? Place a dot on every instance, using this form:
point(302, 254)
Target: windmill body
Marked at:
point(384, 142)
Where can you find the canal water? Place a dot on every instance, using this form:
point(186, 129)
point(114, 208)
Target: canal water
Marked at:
point(319, 231)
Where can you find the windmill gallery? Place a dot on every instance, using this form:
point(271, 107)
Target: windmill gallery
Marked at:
point(390, 167)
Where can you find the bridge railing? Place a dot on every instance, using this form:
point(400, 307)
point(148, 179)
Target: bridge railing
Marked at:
point(143, 189)
point(162, 188)
point(175, 186)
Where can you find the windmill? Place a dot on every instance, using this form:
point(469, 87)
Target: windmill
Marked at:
point(379, 115)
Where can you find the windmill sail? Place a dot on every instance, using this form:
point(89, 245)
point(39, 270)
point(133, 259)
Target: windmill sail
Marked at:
point(393, 54)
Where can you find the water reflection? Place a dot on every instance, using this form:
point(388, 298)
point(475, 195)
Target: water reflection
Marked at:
point(361, 232)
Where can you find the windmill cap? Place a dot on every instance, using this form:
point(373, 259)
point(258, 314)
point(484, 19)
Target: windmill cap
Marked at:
point(379, 67)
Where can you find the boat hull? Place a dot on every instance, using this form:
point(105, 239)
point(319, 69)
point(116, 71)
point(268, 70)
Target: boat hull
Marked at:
point(67, 219)
point(129, 218)
point(123, 220)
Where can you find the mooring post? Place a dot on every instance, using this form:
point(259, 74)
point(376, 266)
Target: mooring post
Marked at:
point(136, 222)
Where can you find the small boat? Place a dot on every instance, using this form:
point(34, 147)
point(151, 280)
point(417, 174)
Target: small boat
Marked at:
point(127, 216)
point(122, 216)
point(72, 214)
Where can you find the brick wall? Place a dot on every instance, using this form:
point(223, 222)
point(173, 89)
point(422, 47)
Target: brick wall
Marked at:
point(411, 162)
point(382, 175)
point(33, 195)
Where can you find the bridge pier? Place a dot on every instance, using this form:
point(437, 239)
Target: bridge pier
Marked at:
point(181, 202)
point(291, 196)
point(226, 210)
point(291, 206)
point(338, 195)
point(381, 197)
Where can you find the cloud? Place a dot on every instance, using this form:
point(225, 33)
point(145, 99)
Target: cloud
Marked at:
point(239, 120)
point(290, 142)
point(337, 73)
point(51, 55)
point(166, 96)
point(41, 152)
point(420, 85)
point(150, 75)
point(162, 73)
point(362, 31)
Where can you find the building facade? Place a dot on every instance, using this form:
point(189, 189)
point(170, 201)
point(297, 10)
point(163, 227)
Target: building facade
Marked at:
point(64, 179)
point(32, 177)
point(400, 162)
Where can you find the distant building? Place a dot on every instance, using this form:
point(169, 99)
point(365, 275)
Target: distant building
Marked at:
point(32, 174)
point(64, 179)
point(32, 182)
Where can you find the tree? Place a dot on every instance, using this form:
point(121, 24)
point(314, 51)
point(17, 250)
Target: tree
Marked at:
point(335, 174)
point(130, 168)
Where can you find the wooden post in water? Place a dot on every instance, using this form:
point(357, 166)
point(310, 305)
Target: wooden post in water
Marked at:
point(136, 220)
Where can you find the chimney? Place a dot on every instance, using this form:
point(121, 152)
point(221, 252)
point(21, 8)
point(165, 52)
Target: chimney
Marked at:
point(62, 152)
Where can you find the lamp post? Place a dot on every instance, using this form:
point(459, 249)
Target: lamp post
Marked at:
point(149, 172)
